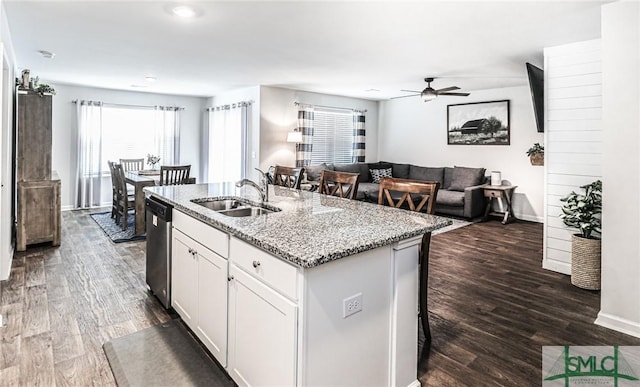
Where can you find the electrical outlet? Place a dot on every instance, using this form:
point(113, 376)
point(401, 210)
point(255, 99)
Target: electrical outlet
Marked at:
point(351, 305)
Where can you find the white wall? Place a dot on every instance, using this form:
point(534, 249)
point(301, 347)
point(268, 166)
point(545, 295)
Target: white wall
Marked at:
point(7, 91)
point(573, 137)
point(620, 295)
point(249, 94)
point(64, 153)
point(412, 131)
point(279, 115)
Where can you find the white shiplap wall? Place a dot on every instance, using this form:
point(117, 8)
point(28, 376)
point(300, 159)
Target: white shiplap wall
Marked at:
point(573, 137)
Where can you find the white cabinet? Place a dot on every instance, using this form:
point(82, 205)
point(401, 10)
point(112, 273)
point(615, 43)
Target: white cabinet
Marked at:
point(199, 292)
point(262, 333)
point(184, 271)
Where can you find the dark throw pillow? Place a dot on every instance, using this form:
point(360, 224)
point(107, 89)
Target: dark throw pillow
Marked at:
point(313, 172)
point(378, 174)
point(463, 177)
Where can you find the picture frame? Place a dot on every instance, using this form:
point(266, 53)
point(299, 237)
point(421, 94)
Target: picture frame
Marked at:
point(479, 123)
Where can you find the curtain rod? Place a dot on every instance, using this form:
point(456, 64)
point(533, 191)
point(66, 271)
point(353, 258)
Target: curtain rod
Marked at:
point(130, 105)
point(330, 107)
point(229, 106)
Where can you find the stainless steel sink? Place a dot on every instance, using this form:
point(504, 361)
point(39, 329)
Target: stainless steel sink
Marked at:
point(246, 211)
point(222, 205)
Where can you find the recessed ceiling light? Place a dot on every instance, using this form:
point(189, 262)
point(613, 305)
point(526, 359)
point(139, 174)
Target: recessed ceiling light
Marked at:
point(372, 90)
point(46, 54)
point(139, 86)
point(150, 79)
point(184, 11)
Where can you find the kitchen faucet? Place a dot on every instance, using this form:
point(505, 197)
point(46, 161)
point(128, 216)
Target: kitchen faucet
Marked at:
point(262, 188)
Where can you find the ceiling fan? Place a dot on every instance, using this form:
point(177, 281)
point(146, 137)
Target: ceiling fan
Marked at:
point(429, 93)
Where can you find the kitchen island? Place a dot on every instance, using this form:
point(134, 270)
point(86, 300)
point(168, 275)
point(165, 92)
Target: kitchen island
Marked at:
point(321, 291)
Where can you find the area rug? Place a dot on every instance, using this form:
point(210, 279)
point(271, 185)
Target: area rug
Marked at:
point(457, 223)
point(114, 231)
point(163, 355)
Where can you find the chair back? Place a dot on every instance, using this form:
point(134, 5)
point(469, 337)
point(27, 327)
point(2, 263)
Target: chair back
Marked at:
point(341, 184)
point(120, 185)
point(287, 176)
point(114, 178)
point(174, 175)
point(397, 192)
point(132, 164)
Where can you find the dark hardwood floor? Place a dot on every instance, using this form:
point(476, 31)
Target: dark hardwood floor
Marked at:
point(491, 305)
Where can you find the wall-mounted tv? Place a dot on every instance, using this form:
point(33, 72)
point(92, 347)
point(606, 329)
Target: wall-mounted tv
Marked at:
point(536, 84)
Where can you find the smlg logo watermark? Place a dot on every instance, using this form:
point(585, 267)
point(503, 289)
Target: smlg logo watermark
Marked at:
point(591, 366)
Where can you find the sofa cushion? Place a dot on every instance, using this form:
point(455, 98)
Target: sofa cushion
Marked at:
point(450, 198)
point(400, 170)
point(361, 168)
point(448, 176)
point(368, 191)
point(426, 173)
point(377, 174)
point(464, 177)
point(314, 171)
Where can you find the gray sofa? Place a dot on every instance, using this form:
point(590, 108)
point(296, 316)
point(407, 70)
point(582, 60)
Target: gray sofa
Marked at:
point(460, 193)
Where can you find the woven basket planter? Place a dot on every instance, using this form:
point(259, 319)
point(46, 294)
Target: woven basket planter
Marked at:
point(585, 262)
point(537, 159)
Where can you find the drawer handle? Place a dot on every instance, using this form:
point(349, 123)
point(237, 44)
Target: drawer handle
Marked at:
point(256, 264)
point(229, 278)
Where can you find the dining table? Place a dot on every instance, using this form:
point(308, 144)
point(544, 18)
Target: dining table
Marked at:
point(139, 181)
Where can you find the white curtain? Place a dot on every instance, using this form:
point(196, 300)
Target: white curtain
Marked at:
point(89, 168)
point(167, 134)
point(228, 128)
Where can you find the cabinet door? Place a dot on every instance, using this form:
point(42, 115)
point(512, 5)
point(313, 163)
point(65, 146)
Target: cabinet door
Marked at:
point(262, 333)
point(184, 278)
point(212, 303)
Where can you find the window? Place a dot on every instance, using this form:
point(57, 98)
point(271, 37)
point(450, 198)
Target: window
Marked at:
point(332, 137)
point(132, 133)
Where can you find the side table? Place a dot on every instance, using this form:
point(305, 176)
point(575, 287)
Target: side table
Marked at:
point(500, 192)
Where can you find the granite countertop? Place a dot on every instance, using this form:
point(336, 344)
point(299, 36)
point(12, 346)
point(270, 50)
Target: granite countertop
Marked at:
point(311, 229)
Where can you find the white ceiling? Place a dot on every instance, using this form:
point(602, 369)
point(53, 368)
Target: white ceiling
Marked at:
point(342, 48)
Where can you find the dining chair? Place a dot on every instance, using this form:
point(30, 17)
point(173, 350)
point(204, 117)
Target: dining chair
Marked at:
point(404, 193)
point(132, 164)
point(124, 202)
point(341, 184)
point(175, 174)
point(114, 190)
point(288, 176)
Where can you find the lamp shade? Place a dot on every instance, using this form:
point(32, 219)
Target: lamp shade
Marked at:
point(294, 137)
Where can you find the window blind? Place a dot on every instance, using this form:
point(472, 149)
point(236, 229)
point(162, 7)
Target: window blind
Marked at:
point(332, 137)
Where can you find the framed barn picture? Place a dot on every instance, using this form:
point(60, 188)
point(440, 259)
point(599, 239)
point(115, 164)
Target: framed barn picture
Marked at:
point(478, 123)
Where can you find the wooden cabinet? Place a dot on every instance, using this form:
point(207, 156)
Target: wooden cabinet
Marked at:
point(38, 213)
point(38, 188)
point(199, 292)
point(262, 333)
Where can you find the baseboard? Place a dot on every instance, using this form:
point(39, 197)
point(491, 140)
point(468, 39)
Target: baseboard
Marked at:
point(415, 383)
point(531, 218)
point(618, 324)
point(559, 267)
point(7, 271)
point(66, 208)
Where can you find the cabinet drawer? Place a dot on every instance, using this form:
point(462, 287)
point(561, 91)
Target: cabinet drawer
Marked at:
point(213, 239)
point(493, 193)
point(275, 272)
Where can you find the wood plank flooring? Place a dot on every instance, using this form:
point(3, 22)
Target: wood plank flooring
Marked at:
point(491, 307)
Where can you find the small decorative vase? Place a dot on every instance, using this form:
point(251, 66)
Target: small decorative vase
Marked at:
point(537, 159)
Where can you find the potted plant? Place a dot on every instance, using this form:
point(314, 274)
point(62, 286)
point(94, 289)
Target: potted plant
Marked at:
point(582, 212)
point(536, 154)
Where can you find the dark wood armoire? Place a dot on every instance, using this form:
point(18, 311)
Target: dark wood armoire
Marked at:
point(38, 188)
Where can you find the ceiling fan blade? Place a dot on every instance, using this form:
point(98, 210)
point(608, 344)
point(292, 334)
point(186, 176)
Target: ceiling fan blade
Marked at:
point(411, 91)
point(457, 94)
point(447, 89)
point(405, 96)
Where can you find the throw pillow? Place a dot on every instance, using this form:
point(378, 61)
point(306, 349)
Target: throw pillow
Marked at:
point(313, 173)
point(463, 177)
point(378, 174)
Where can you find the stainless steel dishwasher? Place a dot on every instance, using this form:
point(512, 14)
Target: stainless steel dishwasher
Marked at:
point(159, 249)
